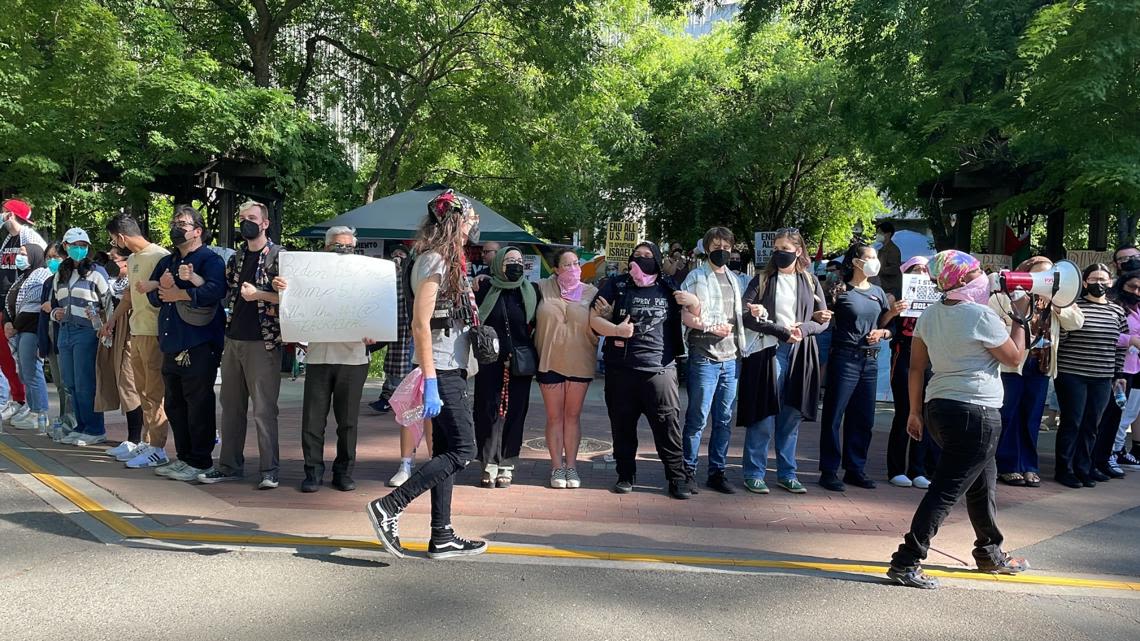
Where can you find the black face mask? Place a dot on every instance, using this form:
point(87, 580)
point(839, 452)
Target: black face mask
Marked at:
point(177, 235)
point(736, 265)
point(646, 263)
point(1129, 299)
point(1097, 289)
point(1132, 264)
point(249, 229)
point(514, 272)
point(783, 259)
point(718, 257)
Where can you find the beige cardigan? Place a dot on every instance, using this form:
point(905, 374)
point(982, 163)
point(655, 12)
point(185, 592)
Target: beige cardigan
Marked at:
point(1067, 319)
point(562, 334)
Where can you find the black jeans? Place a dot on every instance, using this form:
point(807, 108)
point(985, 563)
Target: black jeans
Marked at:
point(1106, 430)
point(453, 448)
point(632, 393)
point(499, 438)
point(190, 403)
point(968, 435)
point(340, 386)
point(1082, 401)
point(904, 454)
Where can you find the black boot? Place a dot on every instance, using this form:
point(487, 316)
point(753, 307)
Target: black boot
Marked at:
point(343, 482)
point(312, 481)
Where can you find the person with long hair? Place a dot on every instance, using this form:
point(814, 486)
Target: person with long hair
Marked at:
point(115, 386)
point(1090, 366)
point(567, 358)
point(80, 300)
point(22, 308)
point(443, 314)
point(48, 332)
point(860, 320)
point(1027, 384)
point(962, 340)
point(780, 374)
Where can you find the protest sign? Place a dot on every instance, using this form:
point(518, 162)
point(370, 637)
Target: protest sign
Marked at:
point(994, 262)
point(920, 292)
point(337, 297)
point(621, 237)
point(765, 241)
point(532, 267)
point(1085, 257)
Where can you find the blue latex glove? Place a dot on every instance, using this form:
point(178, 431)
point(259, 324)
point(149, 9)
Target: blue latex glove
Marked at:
point(432, 402)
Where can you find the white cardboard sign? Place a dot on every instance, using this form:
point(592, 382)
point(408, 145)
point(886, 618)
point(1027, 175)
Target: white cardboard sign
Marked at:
point(920, 292)
point(337, 298)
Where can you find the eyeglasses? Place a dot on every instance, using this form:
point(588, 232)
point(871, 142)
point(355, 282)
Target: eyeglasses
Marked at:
point(573, 264)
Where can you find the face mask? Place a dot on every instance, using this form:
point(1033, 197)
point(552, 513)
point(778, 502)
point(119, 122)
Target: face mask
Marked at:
point(21, 262)
point(647, 265)
point(975, 291)
point(783, 259)
point(736, 265)
point(473, 235)
point(570, 277)
point(177, 235)
point(1129, 299)
point(249, 229)
point(871, 267)
point(398, 259)
point(718, 257)
point(879, 238)
point(833, 277)
point(1096, 290)
point(513, 272)
point(53, 264)
point(77, 253)
point(640, 278)
point(611, 273)
point(1131, 264)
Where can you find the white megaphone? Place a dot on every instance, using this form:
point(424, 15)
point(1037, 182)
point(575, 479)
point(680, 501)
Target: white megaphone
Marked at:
point(1061, 284)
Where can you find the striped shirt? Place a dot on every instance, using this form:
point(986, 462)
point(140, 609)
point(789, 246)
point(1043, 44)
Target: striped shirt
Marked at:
point(78, 294)
point(1094, 350)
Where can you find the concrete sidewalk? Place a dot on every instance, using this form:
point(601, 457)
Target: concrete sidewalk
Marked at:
point(857, 525)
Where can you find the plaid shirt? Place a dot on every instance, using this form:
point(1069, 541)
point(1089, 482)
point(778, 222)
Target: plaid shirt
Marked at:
point(268, 313)
point(398, 358)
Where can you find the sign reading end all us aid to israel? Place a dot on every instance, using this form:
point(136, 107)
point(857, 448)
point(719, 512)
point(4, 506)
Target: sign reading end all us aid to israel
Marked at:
point(334, 298)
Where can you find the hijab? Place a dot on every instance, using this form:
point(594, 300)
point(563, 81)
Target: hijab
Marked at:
point(499, 282)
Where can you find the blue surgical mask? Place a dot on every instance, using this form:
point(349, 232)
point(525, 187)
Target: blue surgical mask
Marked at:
point(22, 262)
point(53, 264)
point(77, 253)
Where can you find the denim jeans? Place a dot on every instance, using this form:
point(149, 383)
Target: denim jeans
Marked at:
point(5, 390)
point(786, 424)
point(1021, 418)
point(712, 390)
point(852, 384)
point(77, 349)
point(31, 369)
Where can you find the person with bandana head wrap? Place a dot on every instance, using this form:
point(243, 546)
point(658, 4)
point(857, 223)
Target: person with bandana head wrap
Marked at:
point(639, 313)
point(963, 341)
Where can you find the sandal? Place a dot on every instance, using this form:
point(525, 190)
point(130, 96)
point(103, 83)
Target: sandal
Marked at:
point(487, 481)
point(1032, 479)
point(1012, 478)
point(503, 481)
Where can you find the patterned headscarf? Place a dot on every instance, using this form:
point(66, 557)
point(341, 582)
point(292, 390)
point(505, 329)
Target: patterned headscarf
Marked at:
point(949, 267)
point(447, 203)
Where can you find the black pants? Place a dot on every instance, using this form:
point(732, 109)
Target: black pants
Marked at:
point(190, 404)
point(499, 438)
point(632, 393)
point(968, 435)
point(453, 447)
point(904, 454)
point(1106, 431)
point(1082, 401)
point(341, 387)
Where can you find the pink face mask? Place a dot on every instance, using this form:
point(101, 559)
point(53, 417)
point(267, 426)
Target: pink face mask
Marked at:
point(975, 291)
point(570, 283)
point(640, 278)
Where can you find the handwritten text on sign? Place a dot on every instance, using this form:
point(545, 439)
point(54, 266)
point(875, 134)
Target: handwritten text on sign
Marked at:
point(920, 292)
point(337, 298)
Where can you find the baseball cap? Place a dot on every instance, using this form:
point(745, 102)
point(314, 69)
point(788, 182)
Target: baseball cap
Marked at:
point(18, 208)
point(75, 235)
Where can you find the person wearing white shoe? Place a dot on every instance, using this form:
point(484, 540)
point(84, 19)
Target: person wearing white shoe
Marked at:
point(921, 482)
point(17, 218)
point(148, 456)
point(22, 308)
point(124, 451)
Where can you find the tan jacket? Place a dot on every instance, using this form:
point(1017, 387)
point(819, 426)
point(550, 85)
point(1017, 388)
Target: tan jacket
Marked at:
point(562, 334)
point(1066, 319)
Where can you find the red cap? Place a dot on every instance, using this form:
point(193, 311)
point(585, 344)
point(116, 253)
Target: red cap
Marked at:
point(19, 209)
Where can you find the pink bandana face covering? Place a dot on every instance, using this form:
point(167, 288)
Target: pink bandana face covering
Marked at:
point(640, 278)
point(975, 291)
point(570, 283)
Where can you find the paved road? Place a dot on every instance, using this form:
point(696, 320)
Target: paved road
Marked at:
point(58, 583)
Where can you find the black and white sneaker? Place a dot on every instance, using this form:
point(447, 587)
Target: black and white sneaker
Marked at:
point(912, 578)
point(445, 544)
point(1127, 460)
point(387, 526)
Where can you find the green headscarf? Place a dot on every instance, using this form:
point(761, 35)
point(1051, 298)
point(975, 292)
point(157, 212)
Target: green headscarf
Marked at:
point(499, 282)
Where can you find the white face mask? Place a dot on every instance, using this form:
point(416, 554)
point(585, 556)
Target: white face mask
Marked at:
point(871, 267)
point(879, 238)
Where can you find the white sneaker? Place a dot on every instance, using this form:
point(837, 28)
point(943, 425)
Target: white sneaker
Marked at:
point(170, 468)
point(71, 437)
point(573, 481)
point(147, 456)
point(30, 421)
point(401, 476)
point(87, 440)
point(9, 410)
point(125, 449)
point(187, 473)
point(921, 482)
point(21, 414)
point(901, 481)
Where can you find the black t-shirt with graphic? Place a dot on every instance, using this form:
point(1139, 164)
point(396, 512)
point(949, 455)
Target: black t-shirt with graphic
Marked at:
point(246, 322)
point(650, 348)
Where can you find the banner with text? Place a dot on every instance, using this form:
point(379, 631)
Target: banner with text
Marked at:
point(994, 262)
point(621, 237)
point(1085, 257)
point(337, 298)
point(765, 242)
point(920, 292)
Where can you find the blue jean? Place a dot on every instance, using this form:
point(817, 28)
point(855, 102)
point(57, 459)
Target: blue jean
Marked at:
point(786, 424)
point(5, 390)
point(78, 346)
point(852, 384)
point(712, 389)
point(1021, 418)
point(31, 370)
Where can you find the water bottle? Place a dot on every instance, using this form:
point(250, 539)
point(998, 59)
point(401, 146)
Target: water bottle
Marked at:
point(1121, 399)
point(97, 323)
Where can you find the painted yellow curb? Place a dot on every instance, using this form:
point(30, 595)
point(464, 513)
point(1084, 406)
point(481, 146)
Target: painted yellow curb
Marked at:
point(128, 530)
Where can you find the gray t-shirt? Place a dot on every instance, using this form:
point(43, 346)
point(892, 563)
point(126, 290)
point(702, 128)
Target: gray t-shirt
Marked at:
point(710, 345)
point(957, 338)
point(451, 349)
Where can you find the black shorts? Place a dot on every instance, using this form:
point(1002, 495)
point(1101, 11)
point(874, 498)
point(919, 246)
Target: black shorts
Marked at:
point(554, 378)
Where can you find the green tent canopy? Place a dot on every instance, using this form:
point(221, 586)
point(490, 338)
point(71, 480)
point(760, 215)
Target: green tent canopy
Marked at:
point(398, 217)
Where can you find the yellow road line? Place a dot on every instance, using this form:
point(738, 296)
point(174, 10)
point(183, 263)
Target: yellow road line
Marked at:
point(128, 530)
